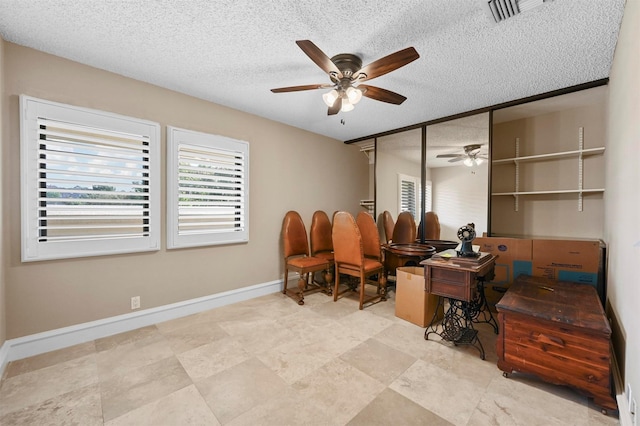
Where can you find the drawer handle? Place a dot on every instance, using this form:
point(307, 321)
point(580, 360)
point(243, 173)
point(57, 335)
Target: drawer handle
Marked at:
point(551, 340)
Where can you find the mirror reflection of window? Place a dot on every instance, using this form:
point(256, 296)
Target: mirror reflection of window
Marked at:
point(398, 173)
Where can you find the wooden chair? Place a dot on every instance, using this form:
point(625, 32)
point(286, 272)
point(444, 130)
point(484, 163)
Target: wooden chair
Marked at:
point(297, 259)
point(370, 237)
point(431, 227)
point(388, 224)
point(321, 243)
point(404, 231)
point(350, 259)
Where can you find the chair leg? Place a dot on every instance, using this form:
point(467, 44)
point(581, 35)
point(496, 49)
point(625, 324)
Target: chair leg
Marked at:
point(362, 286)
point(286, 278)
point(337, 285)
point(302, 285)
point(382, 286)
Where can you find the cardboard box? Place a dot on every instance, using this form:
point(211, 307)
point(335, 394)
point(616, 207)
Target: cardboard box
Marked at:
point(580, 261)
point(514, 258)
point(413, 303)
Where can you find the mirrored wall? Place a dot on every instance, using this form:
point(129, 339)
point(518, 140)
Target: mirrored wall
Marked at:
point(546, 158)
point(455, 184)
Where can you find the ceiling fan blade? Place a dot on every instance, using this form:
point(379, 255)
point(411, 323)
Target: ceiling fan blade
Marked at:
point(299, 88)
point(454, 160)
point(319, 57)
point(383, 95)
point(449, 155)
point(387, 64)
point(335, 108)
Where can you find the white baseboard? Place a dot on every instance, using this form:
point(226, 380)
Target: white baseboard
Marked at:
point(624, 415)
point(35, 344)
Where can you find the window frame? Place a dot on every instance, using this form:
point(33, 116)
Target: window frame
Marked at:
point(177, 137)
point(37, 248)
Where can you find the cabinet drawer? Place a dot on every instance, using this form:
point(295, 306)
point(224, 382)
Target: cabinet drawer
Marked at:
point(584, 345)
point(449, 283)
point(562, 355)
point(448, 289)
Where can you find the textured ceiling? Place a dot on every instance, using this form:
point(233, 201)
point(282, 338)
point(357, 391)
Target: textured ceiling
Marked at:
point(232, 52)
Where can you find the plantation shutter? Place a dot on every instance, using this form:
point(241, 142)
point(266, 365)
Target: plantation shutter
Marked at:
point(90, 182)
point(93, 183)
point(209, 189)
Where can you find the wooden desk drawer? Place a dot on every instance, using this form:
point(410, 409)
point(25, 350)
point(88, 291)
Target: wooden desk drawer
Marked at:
point(448, 289)
point(449, 283)
point(451, 275)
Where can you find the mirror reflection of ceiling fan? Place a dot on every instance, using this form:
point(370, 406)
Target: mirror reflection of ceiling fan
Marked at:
point(472, 156)
point(347, 73)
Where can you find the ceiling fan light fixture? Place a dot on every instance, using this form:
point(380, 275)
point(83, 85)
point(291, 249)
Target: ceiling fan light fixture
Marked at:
point(346, 105)
point(329, 98)
point(468, 162)
point(479, 161)
point(354, 95)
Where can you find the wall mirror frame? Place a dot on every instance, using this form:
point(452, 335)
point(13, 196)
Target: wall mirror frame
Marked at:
point(459, 194)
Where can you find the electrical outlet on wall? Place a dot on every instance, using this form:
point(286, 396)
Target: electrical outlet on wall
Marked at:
point(135, 302)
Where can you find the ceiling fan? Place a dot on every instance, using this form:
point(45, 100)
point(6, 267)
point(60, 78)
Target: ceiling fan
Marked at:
point(346, 73)
point(472, 156)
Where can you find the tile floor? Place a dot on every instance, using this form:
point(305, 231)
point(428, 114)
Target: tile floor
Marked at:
point(268, 361)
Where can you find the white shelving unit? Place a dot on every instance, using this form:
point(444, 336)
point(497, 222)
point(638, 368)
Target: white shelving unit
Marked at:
point(580, 153)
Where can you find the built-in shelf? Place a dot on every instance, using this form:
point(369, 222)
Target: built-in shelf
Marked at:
point(558, 191)
point(551, 156)
point(580, 153)
point(368, 204)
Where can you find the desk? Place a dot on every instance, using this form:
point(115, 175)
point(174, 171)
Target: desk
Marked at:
point(461, 281)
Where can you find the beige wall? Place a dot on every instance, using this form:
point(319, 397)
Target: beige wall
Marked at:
point(290, 169)
point(388, 166)
point(460, 197)
point(550, 215)
point(623, 194)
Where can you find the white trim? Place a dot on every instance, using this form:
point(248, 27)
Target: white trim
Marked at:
point(35, 344)
point(625, 417)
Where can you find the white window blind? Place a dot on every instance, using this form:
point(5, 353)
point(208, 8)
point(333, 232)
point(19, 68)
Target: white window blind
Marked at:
point(428, 196)
point(90, 182)
point(208, 189)
point(408, 194)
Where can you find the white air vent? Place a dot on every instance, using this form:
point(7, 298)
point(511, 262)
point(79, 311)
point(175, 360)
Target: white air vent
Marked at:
point(503, 9)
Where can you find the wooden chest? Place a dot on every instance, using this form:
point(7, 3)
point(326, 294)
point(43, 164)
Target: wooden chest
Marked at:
point(558, 331)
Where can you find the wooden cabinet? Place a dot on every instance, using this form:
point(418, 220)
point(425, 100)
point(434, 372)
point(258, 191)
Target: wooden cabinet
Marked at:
point(558, 331)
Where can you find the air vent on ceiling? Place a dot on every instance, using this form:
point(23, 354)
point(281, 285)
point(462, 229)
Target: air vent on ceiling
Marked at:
point(503, 9)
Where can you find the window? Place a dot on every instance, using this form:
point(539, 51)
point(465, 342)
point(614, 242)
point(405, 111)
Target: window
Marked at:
point(409, 195)
point(207, 189)
point(90, 182)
